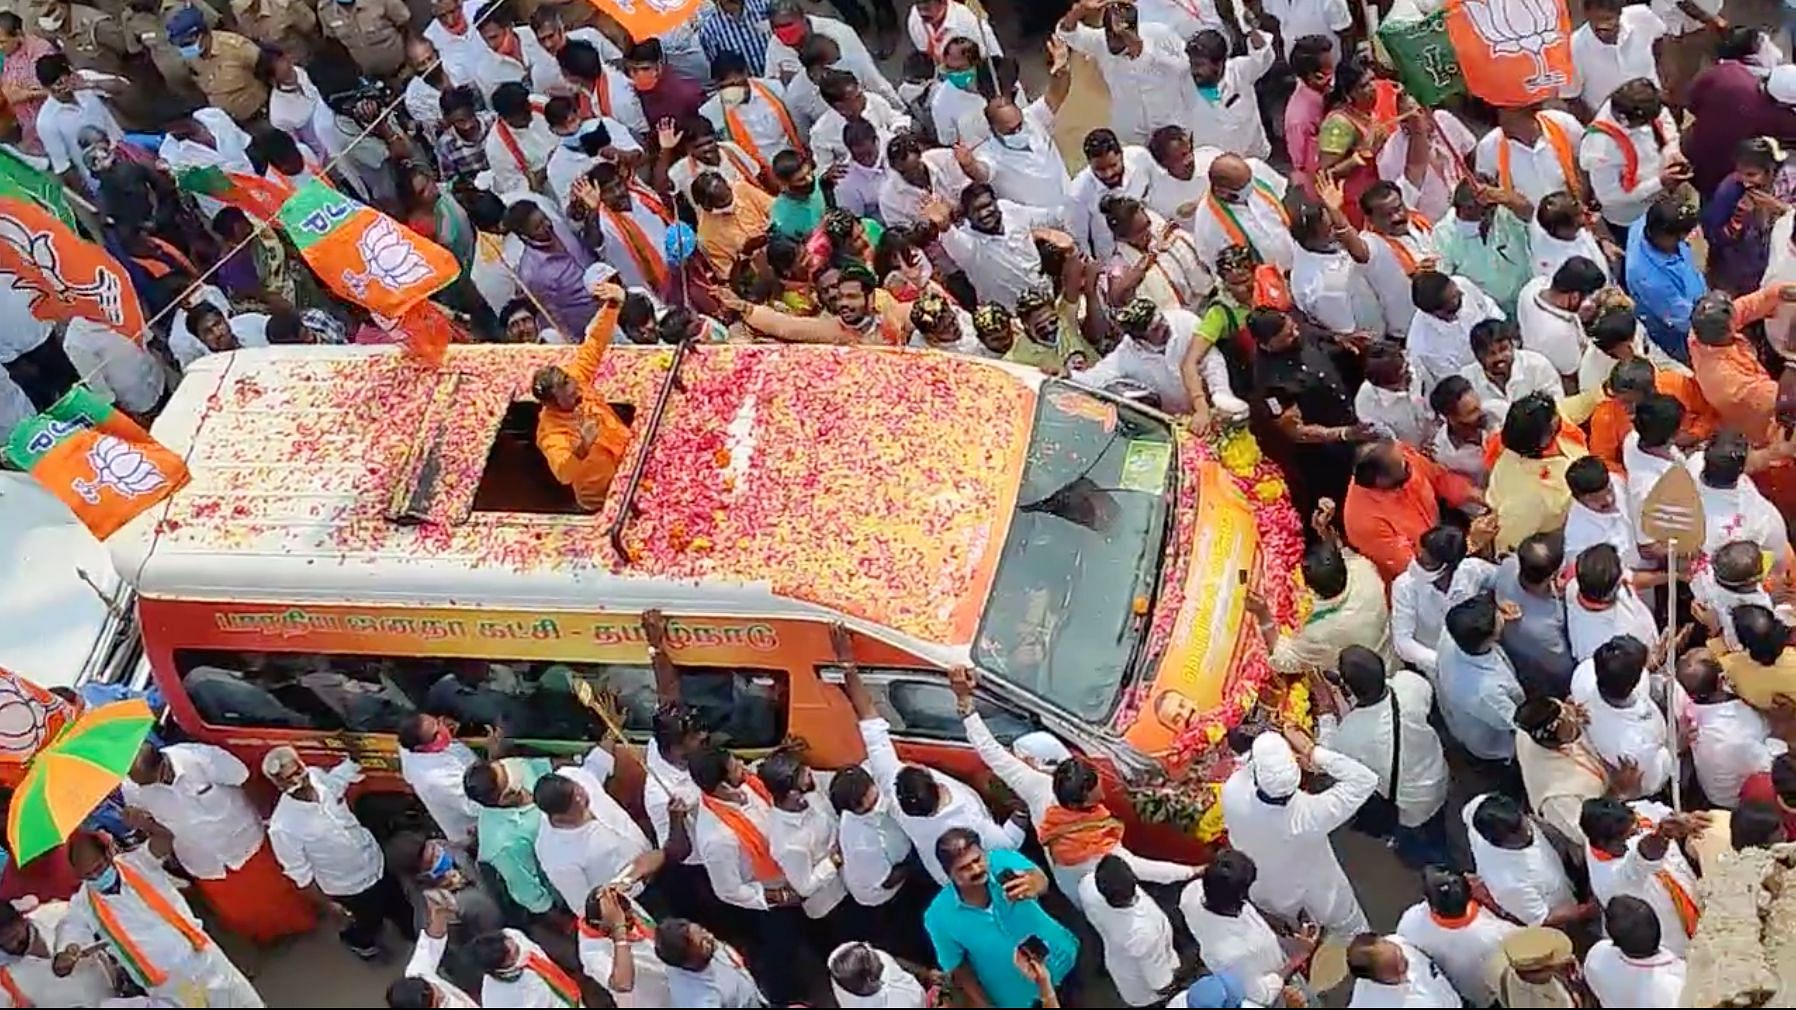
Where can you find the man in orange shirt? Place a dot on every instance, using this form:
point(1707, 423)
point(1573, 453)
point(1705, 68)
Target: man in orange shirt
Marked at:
point(1629, 383)
point(1734, 381)
point(580, 436)
point(1395, 498)
point(729, 214)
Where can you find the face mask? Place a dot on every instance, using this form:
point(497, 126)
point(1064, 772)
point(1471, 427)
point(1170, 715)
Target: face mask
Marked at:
point(1017, 141)
point(50, 22)
point(734, 94)
point(1211, 93)
point(508, 974)
point(962, 79)
point(1234, 196)
point(792, 34)
point(440, 869)
point(189, 52)
point(107, 880)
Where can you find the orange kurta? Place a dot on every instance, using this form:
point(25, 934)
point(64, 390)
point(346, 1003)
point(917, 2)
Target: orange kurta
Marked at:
point(1610, 423)
point(558, 431)
point(1385, 524)
point(1743, 394)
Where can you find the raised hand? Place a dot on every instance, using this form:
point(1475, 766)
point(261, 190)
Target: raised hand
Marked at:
point(668, 134)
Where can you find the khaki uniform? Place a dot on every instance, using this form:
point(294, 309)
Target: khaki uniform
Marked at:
point(146, 42)
point(91, 39)
point(227, 75)
point(372, 30)
point(290, 24)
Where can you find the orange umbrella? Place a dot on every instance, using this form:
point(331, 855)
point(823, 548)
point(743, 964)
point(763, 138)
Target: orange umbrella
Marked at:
point(70, 777)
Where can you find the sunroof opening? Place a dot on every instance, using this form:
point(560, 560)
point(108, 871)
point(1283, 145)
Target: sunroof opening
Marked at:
point(516, 478)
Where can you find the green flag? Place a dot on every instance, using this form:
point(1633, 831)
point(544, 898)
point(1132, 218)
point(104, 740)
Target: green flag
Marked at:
point(1424, 58)
point(18, 178)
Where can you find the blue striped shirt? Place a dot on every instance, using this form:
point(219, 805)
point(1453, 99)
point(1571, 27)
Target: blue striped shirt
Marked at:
point(746, 33)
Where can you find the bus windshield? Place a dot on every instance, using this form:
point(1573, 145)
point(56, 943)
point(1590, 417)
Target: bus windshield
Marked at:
point(1085, 544)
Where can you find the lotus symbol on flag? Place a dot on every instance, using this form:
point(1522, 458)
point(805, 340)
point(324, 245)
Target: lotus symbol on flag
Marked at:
point(1520, 28)
point(393, 262)
point(120, 466)
point(39, 248)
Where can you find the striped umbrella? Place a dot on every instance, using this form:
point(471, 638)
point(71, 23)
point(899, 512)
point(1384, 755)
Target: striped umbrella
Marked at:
point(71, 776)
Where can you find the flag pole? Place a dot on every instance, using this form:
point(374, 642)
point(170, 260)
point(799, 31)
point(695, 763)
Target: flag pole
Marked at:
point(1671, 687)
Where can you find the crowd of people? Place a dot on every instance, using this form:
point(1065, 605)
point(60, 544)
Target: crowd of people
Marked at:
point(1476, 340)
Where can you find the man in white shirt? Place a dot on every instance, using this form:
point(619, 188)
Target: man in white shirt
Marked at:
point(1632, 968)
point(587, 840)
point(617, 950)
point(1111, 170)
point(1503, 372)
point(1225, 105)
point(1020, 159)
point(1328, 277)
point(1444, 311)
point(1733, 506)
point(196, 793)
point(600, 88)
point(451, 30)
point(1531, 152)
point(1439, 576)
point(585, 143)
point(1154, 346)
point(1390, 399)
point(1604, 606)
point(1461, 936)
point(792, 28)
point(421, 985)
point(327, 853)
point(1368, 733)
point(634, 222)
point(847, 100)
point(206, 137)
point(520, 974)
point(1136, 935)
point(1730, 740)
point(175, 959)
point(1633, 850)
point(203, 329)
point(1245, 201)
point(1233, 938)
point(802, 834)
point(25, 939)
point(1612, 46)
point(752, 112)
point(1600, 512)
point(915, 176)
point(1546, 312)
point(73, 104)
point(956, 107)
point(1734, 578)
point(432, 762)
point(933, 25)
point(424, 89)
point(862, 975)
point(117, 367)
point(1631, 152)
point(513, 53)
point(703, 971)
point(1522, 870)
point(1399, 245)
point(1144, 65)
point(995, 244)
point(1301, 18)
point(519, 142)
point(1285, 828)
point(1390, 971)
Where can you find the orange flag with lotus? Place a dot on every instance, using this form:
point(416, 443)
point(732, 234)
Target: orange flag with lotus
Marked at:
point(645, 19)
point(1512, 52)
point(72, 277)
point(362, 255)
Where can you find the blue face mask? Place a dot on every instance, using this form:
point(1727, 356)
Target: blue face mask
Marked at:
point(190, 51)
point(1212, 93)
point(1018, 141)
point(107, 880)
point(440, 869)
point(962, 79)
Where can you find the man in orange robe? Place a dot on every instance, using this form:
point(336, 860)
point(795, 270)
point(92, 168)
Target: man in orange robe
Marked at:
point(1394, 499)
point(578, 433)
point(1735, 382)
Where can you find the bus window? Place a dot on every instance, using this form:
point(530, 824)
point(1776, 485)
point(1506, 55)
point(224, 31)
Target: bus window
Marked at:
point(744, 708)
point(920, 706)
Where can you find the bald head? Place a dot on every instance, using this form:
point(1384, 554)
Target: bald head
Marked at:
point(1003, 116)
point(1230, 175)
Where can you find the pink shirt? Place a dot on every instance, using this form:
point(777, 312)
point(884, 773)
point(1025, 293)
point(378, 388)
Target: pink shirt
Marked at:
point(1303, 118)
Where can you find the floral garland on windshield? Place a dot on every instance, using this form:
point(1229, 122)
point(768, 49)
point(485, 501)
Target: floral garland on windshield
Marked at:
point(1191, 798)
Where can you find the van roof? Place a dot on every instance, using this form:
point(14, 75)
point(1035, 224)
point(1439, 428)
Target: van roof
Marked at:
point(59, 591)
point(873, 483)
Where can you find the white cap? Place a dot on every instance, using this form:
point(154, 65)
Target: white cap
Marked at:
point(1275, 768)
point(1041, 747)
point(1781, 85)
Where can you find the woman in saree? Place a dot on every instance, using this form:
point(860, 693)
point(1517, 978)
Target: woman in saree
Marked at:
point(1352, 133)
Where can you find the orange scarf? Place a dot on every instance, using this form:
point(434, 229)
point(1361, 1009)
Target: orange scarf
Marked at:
point(510, 140)
point(1630, 155)
point(1455, 922)
point(652, 200)
point(13, 992)
point(1562, 153)
point(135, 960)
point(1231, 226)
point(1405, 258)
point(732, 119)
point(1073, 837)
point(598, 100)
point(559, 982)
point(650, 262)
point(1681, 902)
point(753, 840)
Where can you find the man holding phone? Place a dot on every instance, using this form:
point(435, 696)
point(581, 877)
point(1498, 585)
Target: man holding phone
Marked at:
point(999, 946)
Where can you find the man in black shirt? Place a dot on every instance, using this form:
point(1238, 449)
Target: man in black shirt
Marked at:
point(1298, 380)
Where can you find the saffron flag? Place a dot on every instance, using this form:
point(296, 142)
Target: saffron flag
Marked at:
point(1512, 52)
point(645, 19)
point(30, 717)
point(260, 198)
point(20, 178)
point(72, 277)
point(100, 463)
point(363, 255)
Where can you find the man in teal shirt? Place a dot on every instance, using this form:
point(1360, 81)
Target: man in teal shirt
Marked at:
point(799, 207)
point(506, 826)
point(1485, 240)
point(991, 906)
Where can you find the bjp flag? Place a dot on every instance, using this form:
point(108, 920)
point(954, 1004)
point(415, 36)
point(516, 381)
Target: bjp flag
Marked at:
point(97, 461)
point(645, 19)
point(72, 277)
point(1512, 52)
point(363, 255)
point(252, 194)
point(30, 718)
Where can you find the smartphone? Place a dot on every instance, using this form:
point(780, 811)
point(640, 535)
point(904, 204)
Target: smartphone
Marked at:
point(1006, 876)
point(1034, 948)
